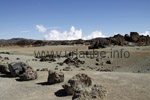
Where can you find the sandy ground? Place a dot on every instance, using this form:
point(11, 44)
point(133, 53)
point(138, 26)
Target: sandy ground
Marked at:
point(129, 78)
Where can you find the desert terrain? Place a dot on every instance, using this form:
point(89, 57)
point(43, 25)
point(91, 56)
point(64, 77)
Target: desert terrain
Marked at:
point(124, 78)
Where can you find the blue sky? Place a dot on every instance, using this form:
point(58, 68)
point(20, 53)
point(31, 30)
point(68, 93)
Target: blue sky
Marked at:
point(72, 19)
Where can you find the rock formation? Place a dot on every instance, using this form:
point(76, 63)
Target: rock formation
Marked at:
point(78, 82)
point(55, 77)
point(17, 68)
point(29, 74)
point(95, 92)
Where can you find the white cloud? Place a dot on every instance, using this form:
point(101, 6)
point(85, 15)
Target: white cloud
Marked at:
point(41, 28)
point(146, 33)
point(94, 35)
point(73, 34)
point(53, 27)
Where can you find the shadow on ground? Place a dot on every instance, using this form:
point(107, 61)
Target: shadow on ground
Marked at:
point(61, 93)
point(6, 76)
point(42, 83)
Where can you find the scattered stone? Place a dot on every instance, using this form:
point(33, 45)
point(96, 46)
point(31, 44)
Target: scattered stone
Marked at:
point(108, 62)
point(97, 64)
point(34, 59)
point(105, 70)
point(91, 68)
point(68, 60)
point(78, 82)
point(56, 68)
point(59, 63)
point(6, 58)
point(77, 66)
point(44, 69)
point(29, 74)
point(138, 71)
point(97, 60)
point(37, 69)
point(55, 77)
point(1, 57)
point(17, 58)
point(5, 53)
point(67, 69)
point(82, 69)
point(17, 68)
point(78, 60)
point(96, 92)
point(82, 62)
point(51, 59)
point(74, 61)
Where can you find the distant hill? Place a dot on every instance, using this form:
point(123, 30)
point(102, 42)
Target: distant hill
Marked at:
point(13, 40)
point(133, 39)
point(99, 38)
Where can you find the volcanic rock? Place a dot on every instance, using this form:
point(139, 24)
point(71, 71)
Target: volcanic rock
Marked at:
point(134, 36)
point(96, 92)
point(29, 74)
point(17, 68)
point(78, 82)
point(55, 77)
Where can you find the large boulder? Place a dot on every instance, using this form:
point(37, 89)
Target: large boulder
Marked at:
point(94, 45)
point(127, 37)
point(143, 41)
point(4, 69)
point(134, 36)
point(104, 42)
point(120, 39)
point(55, 77)
point(29, 74)
point(17, 68)
point(78, 82)
point(113, 41)
point(95, 92)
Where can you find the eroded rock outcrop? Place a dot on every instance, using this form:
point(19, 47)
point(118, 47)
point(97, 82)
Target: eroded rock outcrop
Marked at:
point(134, 36)
point(55, 77)
point(119, 40)
point(29, 74)
point(95, 92)
point(17, 68)
point(80, 86)
point(78, 82)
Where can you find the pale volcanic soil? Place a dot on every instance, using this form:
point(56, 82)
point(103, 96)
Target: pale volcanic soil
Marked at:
point(124, 78)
